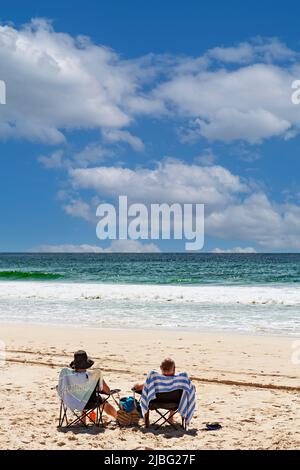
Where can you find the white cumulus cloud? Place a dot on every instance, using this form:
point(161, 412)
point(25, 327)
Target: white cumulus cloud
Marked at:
point(57, 83)
point(234, 209)
point(171, 181)
point(236, 249)
point(117, 246)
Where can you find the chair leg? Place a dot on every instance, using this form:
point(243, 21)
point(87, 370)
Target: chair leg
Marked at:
point(62, 415)
point(97, 416)
point(165, 419)
point(100, 420)
point(78, 419)
point(162, 418)
point(147, 419)
point(100, 408)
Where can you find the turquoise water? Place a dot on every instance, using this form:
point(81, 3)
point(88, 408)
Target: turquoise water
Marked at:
point(172, 269)
point(244, 293)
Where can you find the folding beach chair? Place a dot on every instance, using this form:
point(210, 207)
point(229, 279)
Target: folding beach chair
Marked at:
point(96, 403)
point(168, 401)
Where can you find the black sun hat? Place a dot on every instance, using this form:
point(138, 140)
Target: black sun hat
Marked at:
point(81, 361)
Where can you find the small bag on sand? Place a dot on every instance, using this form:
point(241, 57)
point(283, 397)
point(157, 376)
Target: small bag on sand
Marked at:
point(128, 413)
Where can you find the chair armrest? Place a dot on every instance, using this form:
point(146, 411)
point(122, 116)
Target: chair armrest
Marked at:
point(112, 392)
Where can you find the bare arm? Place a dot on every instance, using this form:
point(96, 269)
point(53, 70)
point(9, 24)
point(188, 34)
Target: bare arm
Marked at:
point(105, 388)
point(138, 387)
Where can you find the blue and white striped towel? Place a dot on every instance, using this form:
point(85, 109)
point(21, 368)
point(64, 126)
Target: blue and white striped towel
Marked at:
point(158, 383)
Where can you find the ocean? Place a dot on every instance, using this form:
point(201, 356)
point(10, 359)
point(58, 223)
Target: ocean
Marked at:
point(241, 293)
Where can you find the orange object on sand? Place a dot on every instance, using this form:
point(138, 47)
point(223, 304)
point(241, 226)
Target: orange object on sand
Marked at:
point(93, 415)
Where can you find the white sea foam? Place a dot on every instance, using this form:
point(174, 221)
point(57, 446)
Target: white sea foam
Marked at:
point(255, 309)
point(225, 295)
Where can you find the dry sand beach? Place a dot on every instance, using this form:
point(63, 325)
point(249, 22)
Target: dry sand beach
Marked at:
point(247, 383)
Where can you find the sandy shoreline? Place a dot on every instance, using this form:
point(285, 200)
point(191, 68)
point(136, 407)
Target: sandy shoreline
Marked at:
point(247, 383)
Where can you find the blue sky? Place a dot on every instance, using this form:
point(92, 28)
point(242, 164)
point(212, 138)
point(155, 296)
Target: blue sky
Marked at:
point(192, 97)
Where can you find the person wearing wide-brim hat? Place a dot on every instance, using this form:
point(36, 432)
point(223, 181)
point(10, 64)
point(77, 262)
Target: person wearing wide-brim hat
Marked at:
point(80, 364)
point(81, 361)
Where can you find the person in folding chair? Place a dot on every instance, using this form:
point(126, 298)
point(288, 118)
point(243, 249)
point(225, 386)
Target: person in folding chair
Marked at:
point(168, 391)
point(84, 392)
